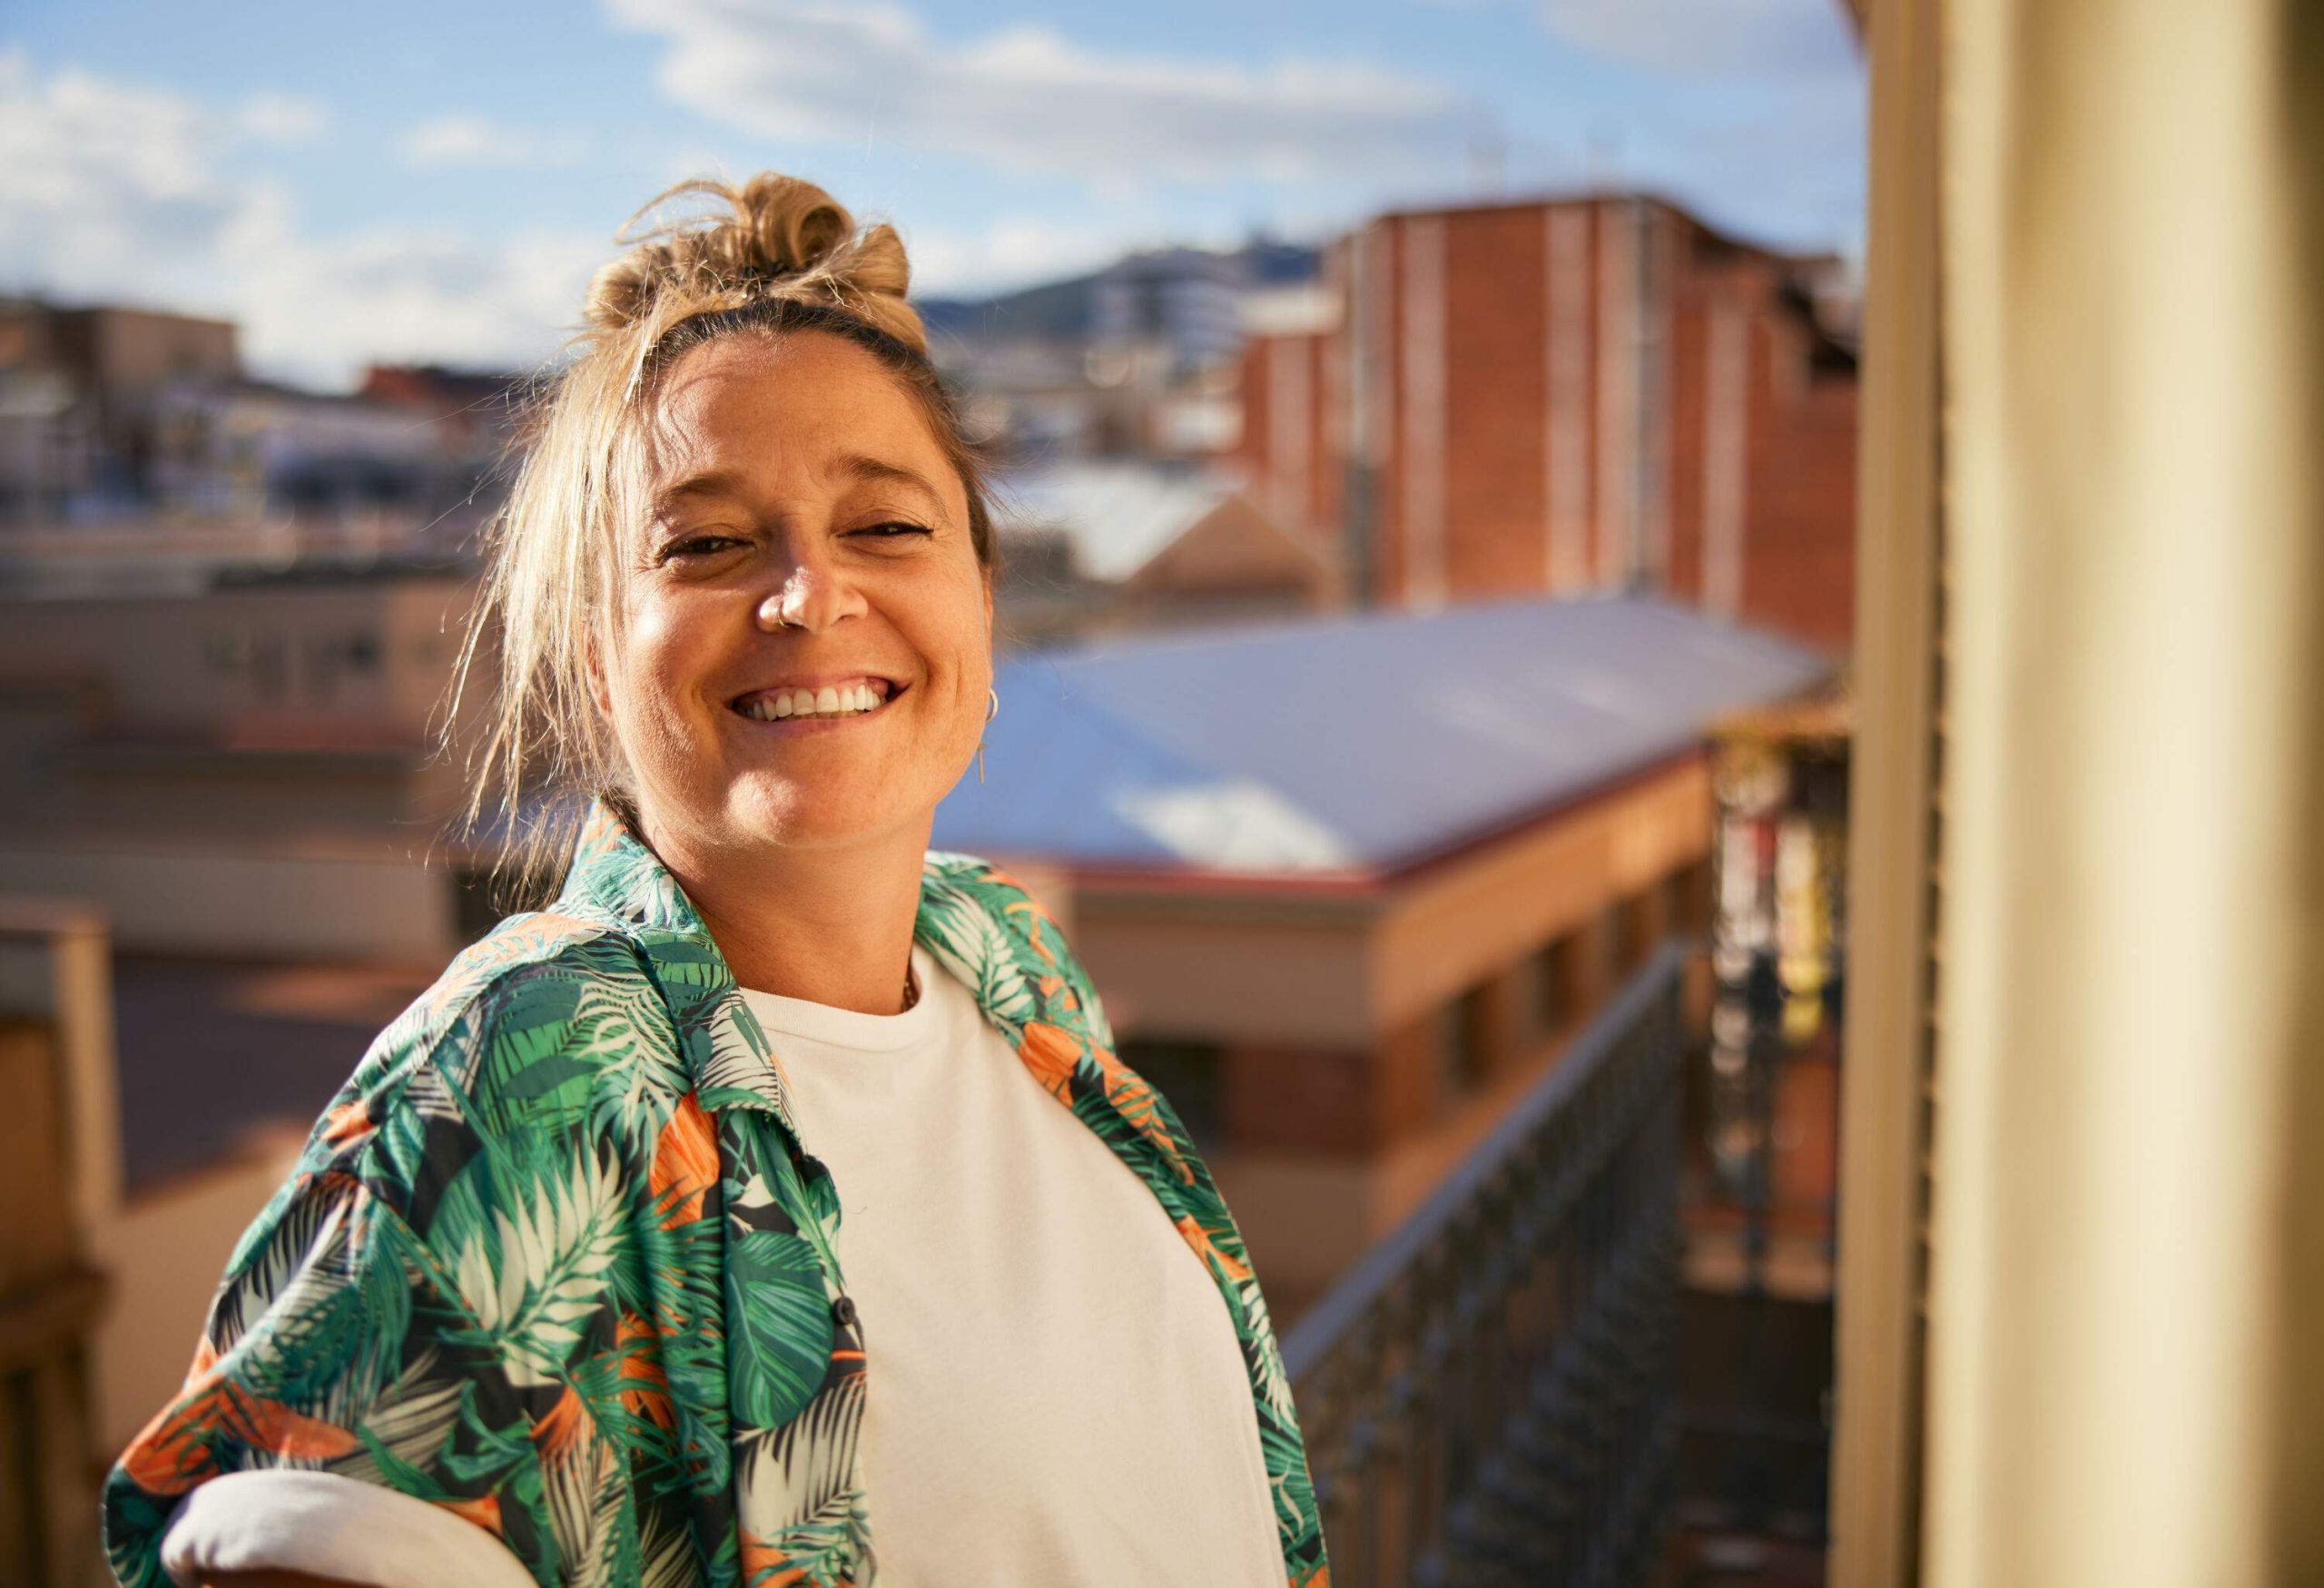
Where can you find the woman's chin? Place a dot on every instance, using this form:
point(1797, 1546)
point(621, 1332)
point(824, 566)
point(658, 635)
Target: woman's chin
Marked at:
point(813, 813)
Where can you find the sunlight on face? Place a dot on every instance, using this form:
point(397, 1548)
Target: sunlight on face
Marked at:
point(797, 477)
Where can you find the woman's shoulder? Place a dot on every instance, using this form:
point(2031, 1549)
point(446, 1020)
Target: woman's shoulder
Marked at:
point(529, 946)
point(980, 916)
point(973, 903)
point(520, 1029)
point(525, 964)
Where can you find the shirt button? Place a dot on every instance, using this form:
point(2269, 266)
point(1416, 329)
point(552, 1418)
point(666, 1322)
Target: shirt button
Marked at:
point(843, 1309)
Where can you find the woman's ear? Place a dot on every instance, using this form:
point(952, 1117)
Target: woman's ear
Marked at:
point(593, 664)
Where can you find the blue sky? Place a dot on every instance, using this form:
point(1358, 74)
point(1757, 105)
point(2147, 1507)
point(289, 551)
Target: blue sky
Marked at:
point(436, 181)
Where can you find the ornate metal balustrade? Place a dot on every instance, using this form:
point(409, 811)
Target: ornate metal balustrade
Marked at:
point(1488, 1397)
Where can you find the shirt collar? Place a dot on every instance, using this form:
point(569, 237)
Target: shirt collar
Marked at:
point(611, 871)
point(728, 1060)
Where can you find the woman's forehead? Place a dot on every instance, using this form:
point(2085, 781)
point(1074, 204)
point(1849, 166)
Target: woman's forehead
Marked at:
point(747, 399)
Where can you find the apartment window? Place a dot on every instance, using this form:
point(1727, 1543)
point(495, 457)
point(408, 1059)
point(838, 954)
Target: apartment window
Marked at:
point(1556, 991)
point(1188, 1074)
point(1633, 934)
point(1464, 1042)
point(1689, 891)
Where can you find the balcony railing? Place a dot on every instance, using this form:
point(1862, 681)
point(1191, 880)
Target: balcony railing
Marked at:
point(1489, 1396)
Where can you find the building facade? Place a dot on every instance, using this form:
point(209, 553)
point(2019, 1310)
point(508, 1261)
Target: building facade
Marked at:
point(1564, 396)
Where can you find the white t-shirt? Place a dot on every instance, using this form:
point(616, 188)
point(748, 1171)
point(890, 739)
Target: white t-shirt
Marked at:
point(1054, 1384)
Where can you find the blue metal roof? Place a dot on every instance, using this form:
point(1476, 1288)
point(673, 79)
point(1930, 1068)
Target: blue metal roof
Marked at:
point(1361, 742)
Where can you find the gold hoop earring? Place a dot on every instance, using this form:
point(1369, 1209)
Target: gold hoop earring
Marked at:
point(991, 712)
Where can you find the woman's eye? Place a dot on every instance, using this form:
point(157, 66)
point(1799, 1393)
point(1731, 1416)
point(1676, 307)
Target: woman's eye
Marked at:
point(698, 546)
point(896, 530)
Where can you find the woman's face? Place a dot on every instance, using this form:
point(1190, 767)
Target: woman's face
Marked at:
point(796, 479)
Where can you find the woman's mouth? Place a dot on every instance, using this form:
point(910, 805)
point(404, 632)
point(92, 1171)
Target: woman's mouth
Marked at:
point(826, 704)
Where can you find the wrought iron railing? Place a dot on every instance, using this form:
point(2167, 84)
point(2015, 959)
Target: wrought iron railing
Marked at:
point(1489, 1396)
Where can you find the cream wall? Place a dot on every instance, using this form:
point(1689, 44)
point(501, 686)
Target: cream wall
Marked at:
point(1341, 966)
point(165, 1252)
point(2126, 1331)
point(1347, 975)
point(307, 902)
point(171, 665)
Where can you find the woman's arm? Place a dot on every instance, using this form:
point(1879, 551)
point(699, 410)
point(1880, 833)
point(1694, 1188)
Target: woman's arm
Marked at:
point(319, 1434)
point(260, 1529)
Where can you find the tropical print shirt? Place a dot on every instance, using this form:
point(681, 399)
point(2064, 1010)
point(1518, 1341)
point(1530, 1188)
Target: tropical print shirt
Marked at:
point(555, 1260)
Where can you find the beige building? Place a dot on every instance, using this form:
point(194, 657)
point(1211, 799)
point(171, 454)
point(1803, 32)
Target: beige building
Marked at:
point(216, 814)
point(1348, 884)
point(211, 770)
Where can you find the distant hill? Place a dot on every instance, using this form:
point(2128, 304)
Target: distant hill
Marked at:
point(1053, 311)
point(1060, 310)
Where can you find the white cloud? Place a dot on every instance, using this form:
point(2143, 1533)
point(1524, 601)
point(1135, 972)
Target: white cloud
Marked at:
point(1765, 128)
point(282, 118)
point(470, 140)
point(114, 191)
point(1025, 98)
point(1735, 39)
point(1013, 253)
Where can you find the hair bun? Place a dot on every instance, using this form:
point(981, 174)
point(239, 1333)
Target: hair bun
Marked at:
point(773, 236)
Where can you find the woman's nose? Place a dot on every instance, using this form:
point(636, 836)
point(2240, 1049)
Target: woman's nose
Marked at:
point(813, 595)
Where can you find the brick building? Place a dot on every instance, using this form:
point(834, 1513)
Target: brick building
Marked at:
point(1561, 396)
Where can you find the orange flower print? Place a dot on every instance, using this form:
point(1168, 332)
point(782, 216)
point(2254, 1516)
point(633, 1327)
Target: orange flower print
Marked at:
point(1196, 1237)
point(1050, 1052)
point(485, 1513)
point(564, 1430)
point(645, 1388)
point(172, 1455)
point(685, 1164)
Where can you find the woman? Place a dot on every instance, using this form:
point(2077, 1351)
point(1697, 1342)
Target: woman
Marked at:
point(721, 1221)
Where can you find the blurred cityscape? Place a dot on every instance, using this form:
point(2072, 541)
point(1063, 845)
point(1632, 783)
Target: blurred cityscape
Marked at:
point(1504, 664)
point(1424, 682)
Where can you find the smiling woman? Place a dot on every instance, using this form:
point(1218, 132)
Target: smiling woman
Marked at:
point(560, 1290)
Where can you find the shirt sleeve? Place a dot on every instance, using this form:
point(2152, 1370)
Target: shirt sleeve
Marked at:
point(337, 1345)
point(331, 1527)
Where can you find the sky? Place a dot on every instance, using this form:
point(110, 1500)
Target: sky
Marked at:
point(436, 180)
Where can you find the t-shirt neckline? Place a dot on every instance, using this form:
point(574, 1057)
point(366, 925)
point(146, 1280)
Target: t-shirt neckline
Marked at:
point(851, 1028)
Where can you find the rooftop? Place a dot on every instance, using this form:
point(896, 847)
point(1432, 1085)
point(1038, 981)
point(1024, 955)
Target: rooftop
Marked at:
point(1120, 515)
point(1354, 745)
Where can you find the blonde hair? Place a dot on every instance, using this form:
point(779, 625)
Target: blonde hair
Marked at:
point(772, 256)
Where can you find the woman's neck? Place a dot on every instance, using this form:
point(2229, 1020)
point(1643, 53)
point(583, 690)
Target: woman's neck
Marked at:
point(833, 926)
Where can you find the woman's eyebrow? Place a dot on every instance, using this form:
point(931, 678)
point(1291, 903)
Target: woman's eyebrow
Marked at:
point(879, 471)
point(711, 483)
point(727, 484)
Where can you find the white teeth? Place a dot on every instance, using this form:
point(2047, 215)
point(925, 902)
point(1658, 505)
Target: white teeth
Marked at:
point(829, 701)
